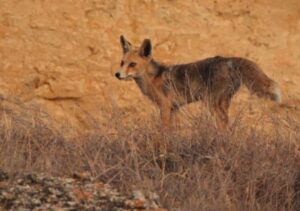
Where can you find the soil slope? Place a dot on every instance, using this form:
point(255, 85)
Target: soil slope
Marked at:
point(62, 54)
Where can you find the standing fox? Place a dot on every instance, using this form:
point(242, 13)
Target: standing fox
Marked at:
point(213, 80)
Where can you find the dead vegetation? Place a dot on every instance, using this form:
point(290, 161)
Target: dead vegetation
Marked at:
point(248, 168)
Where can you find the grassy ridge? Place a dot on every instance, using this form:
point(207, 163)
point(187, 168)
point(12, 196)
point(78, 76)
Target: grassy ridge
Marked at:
point(248, 168)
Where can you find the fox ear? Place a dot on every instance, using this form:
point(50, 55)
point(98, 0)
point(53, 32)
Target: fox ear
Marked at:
point(126, 46)
point(146, 48)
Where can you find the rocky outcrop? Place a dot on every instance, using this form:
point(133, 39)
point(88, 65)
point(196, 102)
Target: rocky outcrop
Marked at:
point(81, 192)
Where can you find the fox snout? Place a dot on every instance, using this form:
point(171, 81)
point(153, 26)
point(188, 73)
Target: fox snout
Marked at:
point(121, 75)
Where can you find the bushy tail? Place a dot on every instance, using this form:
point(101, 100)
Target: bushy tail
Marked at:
point(257, 81)
point(274, 92)
point(268, 89)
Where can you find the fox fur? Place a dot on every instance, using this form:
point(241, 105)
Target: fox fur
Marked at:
point(213, 80)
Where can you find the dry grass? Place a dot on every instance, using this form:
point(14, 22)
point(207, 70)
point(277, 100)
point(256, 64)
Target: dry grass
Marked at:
point(249, 168)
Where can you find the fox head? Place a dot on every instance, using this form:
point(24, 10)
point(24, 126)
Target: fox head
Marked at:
point(135, 61)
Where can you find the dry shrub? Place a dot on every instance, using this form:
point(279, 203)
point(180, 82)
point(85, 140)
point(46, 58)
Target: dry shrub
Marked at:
point(249, 168)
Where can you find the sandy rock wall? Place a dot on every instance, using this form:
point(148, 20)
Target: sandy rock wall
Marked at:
point(62, 54)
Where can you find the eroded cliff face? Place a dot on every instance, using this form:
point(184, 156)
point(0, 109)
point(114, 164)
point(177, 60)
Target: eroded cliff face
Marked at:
point(63, 54)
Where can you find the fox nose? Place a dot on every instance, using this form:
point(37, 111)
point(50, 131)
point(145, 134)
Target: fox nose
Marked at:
point(117, 74)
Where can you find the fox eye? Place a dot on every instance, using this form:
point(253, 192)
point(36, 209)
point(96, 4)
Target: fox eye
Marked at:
point(132, 64)
point(122, 63)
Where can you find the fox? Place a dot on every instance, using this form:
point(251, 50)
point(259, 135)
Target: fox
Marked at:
point(213, 80)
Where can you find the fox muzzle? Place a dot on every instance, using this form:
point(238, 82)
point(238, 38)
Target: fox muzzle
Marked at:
point(118, 75)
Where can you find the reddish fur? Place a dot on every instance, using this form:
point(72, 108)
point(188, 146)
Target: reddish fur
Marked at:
point(214, 80)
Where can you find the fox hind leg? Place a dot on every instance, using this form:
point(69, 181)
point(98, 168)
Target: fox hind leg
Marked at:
point(219, 108)
point(222, 113)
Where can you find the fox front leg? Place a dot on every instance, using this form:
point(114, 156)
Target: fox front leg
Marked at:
point(165, 113)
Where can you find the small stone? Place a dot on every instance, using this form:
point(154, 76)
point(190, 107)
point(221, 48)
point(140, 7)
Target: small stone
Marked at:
point(7, 196)
point(3, 176)
point(83, 176)
point(71, 203)
point(36, 201)
point(138, 195)
point(135, 204)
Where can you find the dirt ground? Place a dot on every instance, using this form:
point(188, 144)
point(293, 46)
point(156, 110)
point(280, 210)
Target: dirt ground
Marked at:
point(62, 55)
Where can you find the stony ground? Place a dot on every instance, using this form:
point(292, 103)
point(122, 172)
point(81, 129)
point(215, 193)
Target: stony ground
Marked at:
point(80, 192)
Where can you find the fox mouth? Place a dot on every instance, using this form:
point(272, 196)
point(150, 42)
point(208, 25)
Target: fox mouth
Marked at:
point(127, 78)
